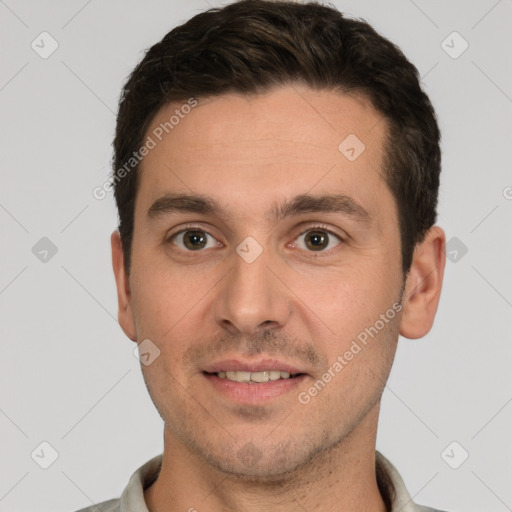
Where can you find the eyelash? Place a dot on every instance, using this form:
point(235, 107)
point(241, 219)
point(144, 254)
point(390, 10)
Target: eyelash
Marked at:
point(318, 227)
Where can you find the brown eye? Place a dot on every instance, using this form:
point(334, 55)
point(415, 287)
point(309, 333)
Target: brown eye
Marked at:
point(192, 239)
point(318, 240)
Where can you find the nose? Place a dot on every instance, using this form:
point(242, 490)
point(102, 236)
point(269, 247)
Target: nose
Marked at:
point(252, 297)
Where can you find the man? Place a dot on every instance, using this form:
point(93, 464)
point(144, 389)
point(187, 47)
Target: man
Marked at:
point(276, 171)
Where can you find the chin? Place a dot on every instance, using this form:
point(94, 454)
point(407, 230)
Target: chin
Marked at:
point(261, 462)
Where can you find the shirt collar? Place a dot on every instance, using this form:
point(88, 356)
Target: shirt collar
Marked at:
point(389, 480)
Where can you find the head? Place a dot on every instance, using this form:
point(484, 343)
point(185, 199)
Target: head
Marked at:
point(313, 159)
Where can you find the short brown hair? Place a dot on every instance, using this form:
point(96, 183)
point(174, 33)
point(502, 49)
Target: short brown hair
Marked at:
point(251, 46)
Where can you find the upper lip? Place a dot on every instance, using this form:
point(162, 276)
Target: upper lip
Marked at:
point(233, 365)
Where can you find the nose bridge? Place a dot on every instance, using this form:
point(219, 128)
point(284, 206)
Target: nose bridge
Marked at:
point(252, 297)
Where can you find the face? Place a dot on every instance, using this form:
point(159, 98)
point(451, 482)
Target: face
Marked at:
point(252, 279)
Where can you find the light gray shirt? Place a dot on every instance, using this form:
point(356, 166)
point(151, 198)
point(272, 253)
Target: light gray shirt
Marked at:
point(132, 498)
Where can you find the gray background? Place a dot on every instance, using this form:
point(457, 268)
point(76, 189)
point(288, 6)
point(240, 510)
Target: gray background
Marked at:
point(68, 373)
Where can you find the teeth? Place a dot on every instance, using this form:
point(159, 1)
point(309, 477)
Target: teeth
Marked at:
point(239, 376)
point(243, 376)
point(260, 376)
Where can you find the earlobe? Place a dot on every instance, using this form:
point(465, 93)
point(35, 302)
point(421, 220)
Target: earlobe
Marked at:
point(124, 297)
point(423, 285)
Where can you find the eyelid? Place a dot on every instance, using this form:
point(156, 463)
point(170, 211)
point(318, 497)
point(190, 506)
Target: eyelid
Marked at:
point(188, 227)
point(307, 229)
point(325, 228)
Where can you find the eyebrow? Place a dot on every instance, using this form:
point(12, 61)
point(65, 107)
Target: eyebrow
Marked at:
point(303, 203)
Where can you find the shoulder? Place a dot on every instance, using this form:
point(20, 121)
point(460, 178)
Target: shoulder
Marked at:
point(132, 497)
point(106, 506)
point(392, 485)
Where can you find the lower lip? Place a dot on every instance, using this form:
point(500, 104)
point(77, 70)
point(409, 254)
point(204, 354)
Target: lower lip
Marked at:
point(254, 393)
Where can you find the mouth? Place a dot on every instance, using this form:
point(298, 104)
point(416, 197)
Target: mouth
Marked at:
point(253, 382)
point(255, 377)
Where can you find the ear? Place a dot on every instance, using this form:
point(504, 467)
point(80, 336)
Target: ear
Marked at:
point(423, 285)
point(124, 297)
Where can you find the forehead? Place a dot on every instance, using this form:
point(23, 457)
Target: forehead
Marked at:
point(291, 113)
point(264, 146)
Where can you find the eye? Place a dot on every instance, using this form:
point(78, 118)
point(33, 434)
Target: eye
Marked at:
point(318, 239)
point(193, 239)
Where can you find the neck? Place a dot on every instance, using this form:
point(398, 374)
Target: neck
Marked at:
point(342, 478)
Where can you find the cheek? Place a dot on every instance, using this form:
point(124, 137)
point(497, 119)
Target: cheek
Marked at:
point(172, 308)
point(362, 313)
point(161, 294)
point(354, 296)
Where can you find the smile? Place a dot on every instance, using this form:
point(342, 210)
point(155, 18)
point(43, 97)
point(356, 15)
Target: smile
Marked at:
point(255, 377)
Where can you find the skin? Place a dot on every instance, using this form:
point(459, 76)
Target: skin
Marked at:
point(248, 152)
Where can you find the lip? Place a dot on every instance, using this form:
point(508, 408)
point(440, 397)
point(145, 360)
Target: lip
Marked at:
point(233, 365)
point(245, 393)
